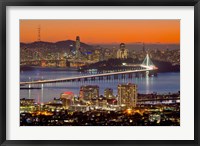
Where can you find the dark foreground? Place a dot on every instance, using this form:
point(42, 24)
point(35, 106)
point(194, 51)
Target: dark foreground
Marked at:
point(151, 117)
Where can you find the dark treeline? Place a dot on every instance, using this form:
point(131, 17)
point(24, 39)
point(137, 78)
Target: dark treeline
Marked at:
point(113, 64)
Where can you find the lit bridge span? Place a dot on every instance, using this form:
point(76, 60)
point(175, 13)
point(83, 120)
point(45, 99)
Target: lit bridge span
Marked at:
point(146, 66)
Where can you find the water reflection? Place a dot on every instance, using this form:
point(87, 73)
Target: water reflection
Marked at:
point(164, 83)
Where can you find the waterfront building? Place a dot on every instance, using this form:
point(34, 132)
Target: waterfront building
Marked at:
point(76, 64)
point(43, 63)
point(67, 99)
point(127, 95)
point(122, 52)
point(88, 92)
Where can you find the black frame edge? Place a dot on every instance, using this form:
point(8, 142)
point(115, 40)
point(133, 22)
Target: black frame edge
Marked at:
point(197, 71)
point(3, 4)
point(3, 73)
point(100, 2)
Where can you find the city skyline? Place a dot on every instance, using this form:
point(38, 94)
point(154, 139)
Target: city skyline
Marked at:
point(69, 83)
point(109, 31)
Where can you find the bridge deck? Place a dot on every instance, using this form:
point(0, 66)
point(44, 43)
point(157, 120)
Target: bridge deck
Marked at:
point(83, 77)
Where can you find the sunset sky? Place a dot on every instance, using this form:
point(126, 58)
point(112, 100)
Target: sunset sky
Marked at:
point(102, 31)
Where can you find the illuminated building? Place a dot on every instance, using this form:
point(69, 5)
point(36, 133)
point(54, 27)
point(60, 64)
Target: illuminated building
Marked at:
point(67, 99)
point(122, 52)
point(114, 50)
point(43, 63)
point(102, 102)
point(108, 54)
point(77, 64)
point(55, 105)
point(108, 93)
point(61, 63)
point(88, 92)
point(89, 55)
point(127, 95)
point(25, 101)
point(77, 47)
point(28, 105)
point(97, 55)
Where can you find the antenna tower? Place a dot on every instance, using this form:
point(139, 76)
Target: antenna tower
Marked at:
point(39, 30)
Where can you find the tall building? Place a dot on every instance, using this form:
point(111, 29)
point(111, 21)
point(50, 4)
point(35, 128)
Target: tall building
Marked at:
point(127, 95)
point(108, 93)
point(67, 99)
point(78, 47)
point(88, 92)
point(122, 52)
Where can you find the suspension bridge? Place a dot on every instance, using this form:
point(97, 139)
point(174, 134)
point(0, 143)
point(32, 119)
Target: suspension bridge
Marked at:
point(146, 66)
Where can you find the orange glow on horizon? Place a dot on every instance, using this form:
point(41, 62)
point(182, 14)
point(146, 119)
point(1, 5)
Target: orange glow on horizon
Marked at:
point(102, 31)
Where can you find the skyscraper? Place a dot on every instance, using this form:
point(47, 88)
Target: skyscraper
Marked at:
point(88, 92)
point(77, 47)
point(127, 95)
point(122, 52)
point(67, 99)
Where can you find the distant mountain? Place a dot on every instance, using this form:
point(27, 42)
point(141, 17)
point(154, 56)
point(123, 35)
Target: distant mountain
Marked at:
point(60, 45)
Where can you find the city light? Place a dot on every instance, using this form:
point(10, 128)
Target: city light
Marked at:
point(72, 83)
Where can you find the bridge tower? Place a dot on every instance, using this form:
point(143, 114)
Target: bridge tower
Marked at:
point(147, 63)
point(39, 31)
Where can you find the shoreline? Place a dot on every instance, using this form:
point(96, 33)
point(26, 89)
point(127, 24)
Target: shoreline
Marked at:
point(30, 68)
